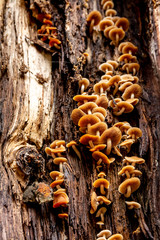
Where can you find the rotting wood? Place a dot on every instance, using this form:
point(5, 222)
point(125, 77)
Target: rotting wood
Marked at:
point(34, 114)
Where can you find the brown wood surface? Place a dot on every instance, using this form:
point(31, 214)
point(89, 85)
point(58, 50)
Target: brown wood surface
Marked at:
point(37, 88)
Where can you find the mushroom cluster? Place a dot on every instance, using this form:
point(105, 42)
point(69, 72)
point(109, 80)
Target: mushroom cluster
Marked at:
point(56, 151)
point(47, 33)
point(106, 235)
point(131, 182)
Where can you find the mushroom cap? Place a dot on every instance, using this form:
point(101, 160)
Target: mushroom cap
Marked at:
point(101, 175)
point(98, 127)
point(105, 233)
point(102, 210)
point(98, 147)
point(133, 101)
point(105, 66)
point(116, 237)
point(135, 131)
point(49, 151)
point(133, 89)
point(102, 101)
point(107, 31)
point(103, 199)
point(85, 82)
point(60, 199)
point(100, 223)
point(59, 160)
point(133, 204)
point(94, 15)
point(134, 159)
point(125, 127)
point(55, 174)
point(126, 78)
point(100, 110)
point(119, 124)
point(105, 23)
point(113, 32)
point(57, 143)
point(60, 190)
point(56, 182)
point(99, 85)
point(128, 57)
point(111, 12)
point(127, 143)
point(70, 144)
point(122, 22)
point(101, 181)
point(87, 106)
point(115, 19)
point(82, 98)
point(108, 4)
point(112, 133)
point(88, 119)
point(99, 115)
point(123, 104)
point(76, 115)
point(63, 215)
point(133, 182)
point(114, 80)
point(99, 155)
point(113, 63)
point(136, 173)
point(124, 86)
point(94, 203)
point(128, 168)
point(88, 137)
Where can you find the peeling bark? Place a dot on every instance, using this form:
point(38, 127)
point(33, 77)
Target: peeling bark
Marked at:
point(37, 87)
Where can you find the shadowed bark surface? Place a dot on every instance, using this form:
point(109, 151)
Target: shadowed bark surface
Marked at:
point(36, 101)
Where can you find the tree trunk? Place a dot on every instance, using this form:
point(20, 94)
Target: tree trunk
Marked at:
point(37, 90)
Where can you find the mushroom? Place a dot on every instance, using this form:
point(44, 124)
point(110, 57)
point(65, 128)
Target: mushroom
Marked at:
point(116, 237)
point(110, 13)
point(107, 31)
point(114, 81)
point(88, 120)
point(124, 86)
point(136, 173)
point(76, 115)
point(105, 23)
point(112, 137)
point(94, 202)
point(134, 133)
point(127, 144)
point(56, 175)
point(93, 19)
point(59, 161)
point(131, 67)
point(108, 5)
point(85, 98)
point(127, 58)
point(100, 110)
point(98, 147)
point(123, 107)
point(116, 35)
point(113, 63)
point(126, 170)
point(97, 128)
point(101, 213)
point(88, 107)
point(89, 139)
point(53, 42)
point(122, 23)
point(60, 199)
point(102, 101)
point(101, 157)
point(105, 67)
point(102, 183)
point(63, 215)
point(83, 84)
point(113, 103)
point(133, 204)
point(133, 160)
point(131, 92)
point(127, 47)
point(102, 199)
point(104, 233)
point(57, 183)
point(41, 16)
point(129, 186)
point(73, 145)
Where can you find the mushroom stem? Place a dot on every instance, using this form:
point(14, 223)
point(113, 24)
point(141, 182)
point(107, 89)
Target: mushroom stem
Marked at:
point(128, 193)
point(109, 146)
point(82, 88)
point(117, 39)
point(53, 155)
point(127, 174)
point(89, 112)
point(91, 26)
point(102, 217)
point(130, 52)
point(76, 151)
point(99, 161)
point(127, 69)
point(120, 112)
point(116, 89)
point(117, 151)
point(98, 133)
point(91, 144)
point(102, 191)
point(134, 71)
point(61, 167)
point(132, 96)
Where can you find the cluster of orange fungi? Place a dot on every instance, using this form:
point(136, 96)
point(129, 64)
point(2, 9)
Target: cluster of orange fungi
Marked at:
point(56, 151)
point(47, 33)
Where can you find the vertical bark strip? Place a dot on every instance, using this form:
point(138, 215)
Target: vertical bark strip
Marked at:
point(37, 88)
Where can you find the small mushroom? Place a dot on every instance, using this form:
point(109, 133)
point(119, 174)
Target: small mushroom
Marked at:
point(133, 160)
point(127, 58)
point(112, 137)
point(126, 170)
point(63, 215)
point(85, 98)
point(73, 145)
point(56, 175)
point(127, 144)
point(105, 23)
point(76, 115)
point(110, 13)
point(88, 120)
point(104, 233)
point(116, 35)
point(133, 204)
point(94, 202)
point(129, 186)
point(127, 47)
point(83, 84)
point(101, 157)
point(60, 199)
point(113, 63)
point(102, 101)
point(57, 183)
point(134, 133)
point(133, 91)
point(131, 67)
point(97, 128)
point(59, 161)
point(101, 213)
point(114, 82)
point(102, 199)
point(93, 19)
point(101, 183)
point(122, 23)
point(98, 147)
point(108, 5)
point(89, 139)
point(123, 107)
point(88, 107)
point(107, 31)
point(116, 237)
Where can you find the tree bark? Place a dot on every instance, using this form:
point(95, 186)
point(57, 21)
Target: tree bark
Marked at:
point(37, 90)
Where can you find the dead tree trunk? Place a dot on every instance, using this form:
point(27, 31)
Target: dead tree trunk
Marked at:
point(36, 102)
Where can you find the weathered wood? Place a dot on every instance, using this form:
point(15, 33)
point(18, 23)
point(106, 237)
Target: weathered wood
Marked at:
point(36, 103)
